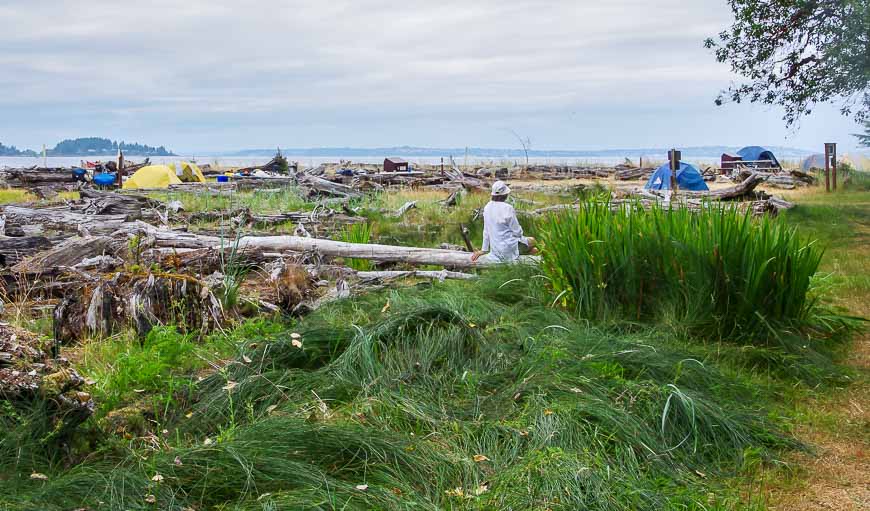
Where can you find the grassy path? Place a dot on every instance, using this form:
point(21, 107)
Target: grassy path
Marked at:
point(836, 422)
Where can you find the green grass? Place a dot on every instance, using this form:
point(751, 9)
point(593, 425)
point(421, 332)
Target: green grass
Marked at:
point(280, 200)
point(358, 233)
point(720, 273)
point(566, 416)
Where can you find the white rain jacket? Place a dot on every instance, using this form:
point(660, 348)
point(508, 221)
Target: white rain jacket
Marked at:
point(502, 233)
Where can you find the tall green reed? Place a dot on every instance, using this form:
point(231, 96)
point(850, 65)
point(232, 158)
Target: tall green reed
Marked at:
point(718, 272)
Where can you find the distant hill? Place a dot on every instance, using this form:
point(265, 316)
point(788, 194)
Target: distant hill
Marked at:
point(479, 152)
point(94, 146)
point(14, 151)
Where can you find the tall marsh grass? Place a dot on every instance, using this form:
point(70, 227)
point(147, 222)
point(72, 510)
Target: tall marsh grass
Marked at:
point(720, 272)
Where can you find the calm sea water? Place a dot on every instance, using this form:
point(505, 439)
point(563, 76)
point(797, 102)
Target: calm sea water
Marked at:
point(305, 161)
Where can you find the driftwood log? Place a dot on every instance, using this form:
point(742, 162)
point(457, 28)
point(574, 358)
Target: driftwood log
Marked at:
point(109, 304)
point(62, 219)
point(13, 249)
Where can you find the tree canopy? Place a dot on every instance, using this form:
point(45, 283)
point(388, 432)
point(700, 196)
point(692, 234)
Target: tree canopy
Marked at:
point(864, 139)
point(14, 151)
point(798, 53)
point(103, 146)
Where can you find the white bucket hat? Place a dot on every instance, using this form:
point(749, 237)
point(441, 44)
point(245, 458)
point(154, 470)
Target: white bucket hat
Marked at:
point(500, 188)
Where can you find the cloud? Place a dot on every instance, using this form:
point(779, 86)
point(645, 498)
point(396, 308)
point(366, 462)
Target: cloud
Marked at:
point(226, 74)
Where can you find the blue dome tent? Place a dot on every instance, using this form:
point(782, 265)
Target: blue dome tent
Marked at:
point(757, 153)
point(688, 178)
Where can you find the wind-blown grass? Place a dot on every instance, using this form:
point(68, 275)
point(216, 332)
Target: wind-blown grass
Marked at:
point(460, 396)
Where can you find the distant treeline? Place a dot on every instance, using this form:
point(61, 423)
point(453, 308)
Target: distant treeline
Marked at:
point(90, 146)
point(14, 151)
point(103, 146)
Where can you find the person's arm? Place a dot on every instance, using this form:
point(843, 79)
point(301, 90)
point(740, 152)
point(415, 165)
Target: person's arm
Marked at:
point(485, 246)
point(517, 229)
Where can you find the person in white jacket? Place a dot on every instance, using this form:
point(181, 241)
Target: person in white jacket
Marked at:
point(502, 232)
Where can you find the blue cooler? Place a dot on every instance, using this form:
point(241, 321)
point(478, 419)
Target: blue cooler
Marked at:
point(223, 179)
point(105, 179)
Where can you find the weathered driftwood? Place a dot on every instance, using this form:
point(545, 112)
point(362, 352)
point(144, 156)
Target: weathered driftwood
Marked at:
point(393, 275)
point(633, 173)
point(404, 209)
point(329, 248)
point(68, 253)
point(318, 186)
point(108, 203)
point(467, 181)
point(742, 189)
point(62, 219)
point(13, 249)
point(28, 373)
point(108, 305)
point(39, 176)
point(243, 216)
point(453, 198)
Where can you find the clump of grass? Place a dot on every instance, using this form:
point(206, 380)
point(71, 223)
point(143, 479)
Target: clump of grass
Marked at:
point(358, 233)
point(719, 273)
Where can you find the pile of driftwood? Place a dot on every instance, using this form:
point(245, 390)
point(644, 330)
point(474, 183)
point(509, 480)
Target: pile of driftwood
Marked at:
point(743, 196)
point(89, 257)
point(30, 371)
point(786, 180)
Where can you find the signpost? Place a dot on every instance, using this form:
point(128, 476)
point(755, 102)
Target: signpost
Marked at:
point(830, 164)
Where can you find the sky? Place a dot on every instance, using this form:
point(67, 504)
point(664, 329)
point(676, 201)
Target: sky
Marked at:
point(215, 75)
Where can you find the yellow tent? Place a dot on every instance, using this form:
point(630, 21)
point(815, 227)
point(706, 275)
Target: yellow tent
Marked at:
point(161, 176)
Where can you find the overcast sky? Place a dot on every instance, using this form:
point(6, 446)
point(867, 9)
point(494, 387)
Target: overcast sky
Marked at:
point(213, 75)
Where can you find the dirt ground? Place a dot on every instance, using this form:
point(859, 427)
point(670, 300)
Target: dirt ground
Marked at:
point(837, 477)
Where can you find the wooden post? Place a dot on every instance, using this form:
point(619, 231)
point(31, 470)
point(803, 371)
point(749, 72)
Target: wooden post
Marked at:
point(674, 157)
point(828, 147)
point(464, 231)
point(119, 177)
point(834, 166)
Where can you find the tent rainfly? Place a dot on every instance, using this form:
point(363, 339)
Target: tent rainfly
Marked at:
point(758, 154)
point(161, 176)
point(688, 178)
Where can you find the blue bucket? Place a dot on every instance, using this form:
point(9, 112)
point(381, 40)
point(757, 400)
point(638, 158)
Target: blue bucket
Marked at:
point(223, 179)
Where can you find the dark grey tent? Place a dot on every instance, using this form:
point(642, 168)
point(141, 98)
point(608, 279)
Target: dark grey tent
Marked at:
point(758, 153)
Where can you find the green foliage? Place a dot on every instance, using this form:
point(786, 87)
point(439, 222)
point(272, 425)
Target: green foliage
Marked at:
point(863, 138)
point(719, 273)
point(14, 151)
point(358, 233)
point(159, 365)
point(95, 146)
point(797, 53)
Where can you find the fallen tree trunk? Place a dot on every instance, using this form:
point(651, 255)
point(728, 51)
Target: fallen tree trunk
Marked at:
point(68, 253)
point(319, 186)
point(109, 203)
point(13, 249)
point(61, 219)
